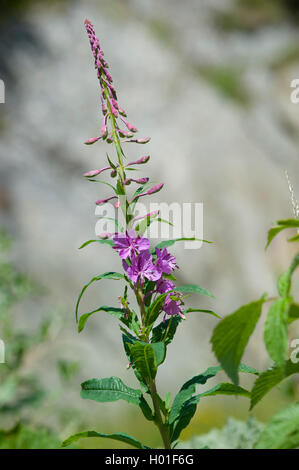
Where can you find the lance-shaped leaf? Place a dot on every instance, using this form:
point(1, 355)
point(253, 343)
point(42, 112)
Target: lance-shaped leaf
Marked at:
point(282, 431)
point(184, 405)
point(113, 389)
point(188, 389)
point(282, 225)
point(284, 282)
point(103, 242)
point(172, 242)
point(143, 357)
point(155, 309)
point(166, 330)
point(115, 312)
point(128, 341)
point(226, 389)
point(108, 275)
point(269, 379)
point(209, 312)
point(193, 289)
point(275, 330)
point(187, 412)
point(118, 436)
point(231, 335)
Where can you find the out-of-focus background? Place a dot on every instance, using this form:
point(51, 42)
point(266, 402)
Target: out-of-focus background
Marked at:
point(209, 81)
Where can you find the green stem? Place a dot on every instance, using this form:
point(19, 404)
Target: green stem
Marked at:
point(163, 427)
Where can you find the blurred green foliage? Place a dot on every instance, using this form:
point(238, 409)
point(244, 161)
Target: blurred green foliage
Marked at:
point(21, 392)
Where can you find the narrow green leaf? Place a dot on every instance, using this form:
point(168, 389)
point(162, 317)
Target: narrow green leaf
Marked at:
point(172, 242)
point(210, 312)
point(158, 333)
point(294, 239)
point(282, 225)
point(269, 379)
point(118, 436)
point(116, 312)
point(284, 282)
point(226, 389)
point(155, 309)
point(272, 234)
point(104, 242)
point(231, 335)
point(275, 330)
point(193, 289)
point(184, 405)
point(289, 222)
point(108, 390)
point(188, 389)
point(108, 275)
point(282, 431)
point(187, 412)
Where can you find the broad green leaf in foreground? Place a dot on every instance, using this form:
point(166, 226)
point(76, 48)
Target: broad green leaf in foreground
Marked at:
point(118, 436)
point(231, 335)
point(282, 431)
point(269, 379)
point(108, 275)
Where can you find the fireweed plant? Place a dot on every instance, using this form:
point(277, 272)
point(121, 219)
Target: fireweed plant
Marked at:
point(149, 274)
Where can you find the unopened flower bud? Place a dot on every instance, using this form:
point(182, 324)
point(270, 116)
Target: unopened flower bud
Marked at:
point(122, 111)
point(104, 131)
point(141, 160)
point(129, 126)
point(92, 173)
point(92, 140)
point(143, 140)
point(103, 201)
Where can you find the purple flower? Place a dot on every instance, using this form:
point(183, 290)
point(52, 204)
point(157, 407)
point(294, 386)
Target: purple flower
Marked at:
point(172, 307)
point(165, 261)
point(164, 285)
point(128, 243)
point(142, 268)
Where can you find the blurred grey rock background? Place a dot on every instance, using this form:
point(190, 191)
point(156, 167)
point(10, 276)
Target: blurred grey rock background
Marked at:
point(209, 81)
